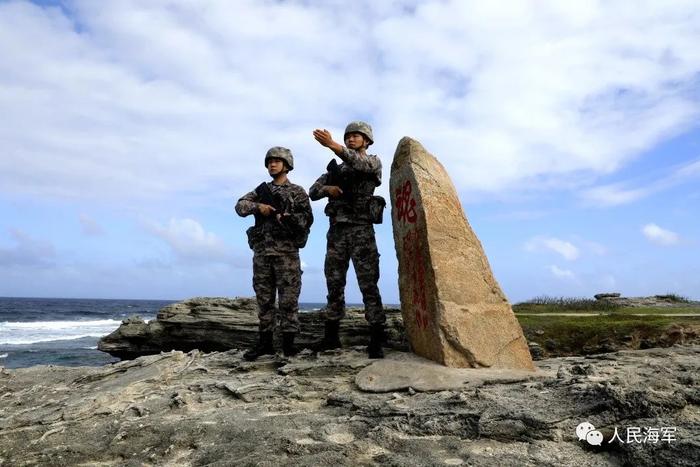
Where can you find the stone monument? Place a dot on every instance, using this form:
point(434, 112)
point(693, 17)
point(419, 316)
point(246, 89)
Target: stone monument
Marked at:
point(454, 310)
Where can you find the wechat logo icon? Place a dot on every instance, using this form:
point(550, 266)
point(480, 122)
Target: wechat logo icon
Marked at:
point(586, 431)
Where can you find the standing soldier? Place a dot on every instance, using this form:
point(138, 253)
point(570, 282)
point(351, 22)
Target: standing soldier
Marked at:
point(282, 221)
point(352, 209)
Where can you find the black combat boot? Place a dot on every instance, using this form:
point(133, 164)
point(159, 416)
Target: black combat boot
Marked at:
point(376, 338)
point(330, 337)
point(288, 344)
point(264, 347)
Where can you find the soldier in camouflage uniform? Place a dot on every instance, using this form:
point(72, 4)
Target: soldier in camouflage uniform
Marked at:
point(349, 188)
point(282, 221)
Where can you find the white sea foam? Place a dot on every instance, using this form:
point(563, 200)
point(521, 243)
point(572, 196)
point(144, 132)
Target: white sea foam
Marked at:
point(12, 333)
point(4, 355)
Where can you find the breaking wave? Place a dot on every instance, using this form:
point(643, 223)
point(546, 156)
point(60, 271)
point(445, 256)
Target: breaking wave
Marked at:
point(19, 333)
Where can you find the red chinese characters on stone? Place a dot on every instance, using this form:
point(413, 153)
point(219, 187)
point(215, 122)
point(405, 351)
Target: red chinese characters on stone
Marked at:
point(413, 256)
point(405, 204)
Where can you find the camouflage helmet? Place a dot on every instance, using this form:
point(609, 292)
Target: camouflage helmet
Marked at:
point(278, 152)
point(360, 127)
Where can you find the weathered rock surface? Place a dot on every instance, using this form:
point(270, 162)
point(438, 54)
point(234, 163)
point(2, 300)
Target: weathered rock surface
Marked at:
point(219, 324)
point(401, 371)
point(454, 311)
point(177, 409)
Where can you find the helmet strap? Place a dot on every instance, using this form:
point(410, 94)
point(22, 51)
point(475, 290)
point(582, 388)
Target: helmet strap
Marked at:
point(280, 178)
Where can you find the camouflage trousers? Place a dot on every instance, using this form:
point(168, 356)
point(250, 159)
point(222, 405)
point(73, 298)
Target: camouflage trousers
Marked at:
point(357, 243)
point(273, 274)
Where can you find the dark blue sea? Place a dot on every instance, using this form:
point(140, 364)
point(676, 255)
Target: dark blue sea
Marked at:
point(65, 331)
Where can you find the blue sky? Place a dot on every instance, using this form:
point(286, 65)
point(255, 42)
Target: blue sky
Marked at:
point(129, 129)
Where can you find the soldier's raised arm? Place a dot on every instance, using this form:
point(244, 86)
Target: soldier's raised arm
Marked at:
point(357, 158)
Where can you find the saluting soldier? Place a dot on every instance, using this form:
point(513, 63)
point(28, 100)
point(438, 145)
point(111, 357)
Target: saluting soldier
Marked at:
point(352, 209)
point(283, 218)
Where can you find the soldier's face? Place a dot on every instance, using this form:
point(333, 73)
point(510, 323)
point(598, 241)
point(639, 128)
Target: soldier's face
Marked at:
point(275, 166)
point(354, 141)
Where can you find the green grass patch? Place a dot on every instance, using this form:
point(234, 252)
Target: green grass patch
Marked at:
point(577, 335)
point(545, 304)
point(621, 311)
point(657, 310)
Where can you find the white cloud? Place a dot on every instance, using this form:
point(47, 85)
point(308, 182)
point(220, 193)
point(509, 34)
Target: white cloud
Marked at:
point(566, 249)
point(656, 234)
point(623, 193)
point(561, 273)
point(136, 100)
point(615, 194)
point(189, 241)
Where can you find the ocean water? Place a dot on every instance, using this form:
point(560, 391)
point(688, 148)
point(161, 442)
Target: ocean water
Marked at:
point(65, 331)
point(60, 331)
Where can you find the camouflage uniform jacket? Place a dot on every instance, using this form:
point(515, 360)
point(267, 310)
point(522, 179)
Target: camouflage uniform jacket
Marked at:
point(272, 237)
point(364, 174)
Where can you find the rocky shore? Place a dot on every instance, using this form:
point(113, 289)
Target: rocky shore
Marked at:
point(218, 324)
point(339, 408)
point(207, 406)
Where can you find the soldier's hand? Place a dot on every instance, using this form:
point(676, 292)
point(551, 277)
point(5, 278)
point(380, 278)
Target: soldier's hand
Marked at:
point(324, 137)
point(334, 191)
point(265, 209)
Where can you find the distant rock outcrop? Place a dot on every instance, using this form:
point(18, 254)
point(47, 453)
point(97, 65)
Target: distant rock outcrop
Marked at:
point(653, 300)
point(219, 324)
point(606, 296)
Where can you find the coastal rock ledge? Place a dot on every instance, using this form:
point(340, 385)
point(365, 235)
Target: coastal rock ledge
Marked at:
point(218, 324)
point(195, 409)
